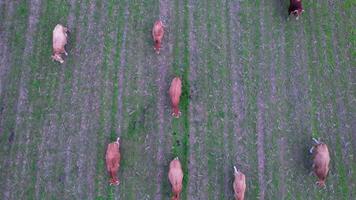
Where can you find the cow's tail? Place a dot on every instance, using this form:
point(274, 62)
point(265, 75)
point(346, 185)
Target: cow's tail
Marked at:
point(235, 170)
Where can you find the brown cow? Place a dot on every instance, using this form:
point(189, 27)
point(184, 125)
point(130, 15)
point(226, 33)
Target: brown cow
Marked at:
point(295, 8)
point(239, 185)
point(174, 92)
point(157, 34)
point(59, 41)
point(321, 160)
point(113, 161)
point(175, 176)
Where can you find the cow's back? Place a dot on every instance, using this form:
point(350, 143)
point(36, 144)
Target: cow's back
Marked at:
point(239, 186)
point(175, 175)
point(158, 31)
point(59, 37)
point(321, 160)
point(112, 155)
point(175, 90)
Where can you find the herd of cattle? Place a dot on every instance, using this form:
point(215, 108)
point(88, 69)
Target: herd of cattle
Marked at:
point(321, 157)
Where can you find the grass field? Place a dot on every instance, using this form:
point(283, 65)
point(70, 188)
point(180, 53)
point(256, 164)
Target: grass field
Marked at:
point(257, 87)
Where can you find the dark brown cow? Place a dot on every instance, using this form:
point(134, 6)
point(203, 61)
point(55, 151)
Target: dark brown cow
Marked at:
point(174, 92)
point(113, 161)
point(321, 160)
point(175, 176)
point(295, 8)
point(157, 34)
point(239, 185)
point(59, 41)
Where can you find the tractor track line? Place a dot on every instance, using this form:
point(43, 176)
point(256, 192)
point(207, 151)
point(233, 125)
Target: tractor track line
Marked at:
point(22, 106)
point(120, 74)
point(5, 55)
point(192, 78)
point(5, 63)
point(90, 110)
point(70, 165)
point(261, 128)
point(238, 97)
point(277, 99)
point(197, 186)
point(164, 61)
point(227, 96)
point(94, 60)
point(260, 143)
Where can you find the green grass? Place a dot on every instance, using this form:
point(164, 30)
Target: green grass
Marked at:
point(313, 97)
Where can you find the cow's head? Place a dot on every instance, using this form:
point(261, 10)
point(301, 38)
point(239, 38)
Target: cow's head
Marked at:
point(297, 13)
point(58, 58)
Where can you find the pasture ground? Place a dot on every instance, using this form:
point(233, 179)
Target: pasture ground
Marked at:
point(256, 88)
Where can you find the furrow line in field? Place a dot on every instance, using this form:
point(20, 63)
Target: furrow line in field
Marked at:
point(238, 94)
point(164, 62)
point(278, 97)
point(5, 56)
point(192, 79)
point(74, 117)
point(94, 61)
point(260, 144)
point(260, 125)
point(198, 185)
point(22, 107)
point(120, 74)
point(89, 106)
point(227, 93)
point(9, 140)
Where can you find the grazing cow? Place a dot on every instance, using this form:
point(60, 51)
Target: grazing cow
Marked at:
point(296, 8)
point(175, 176)
point(157, 34)
point(321, 160)
point(113, 161)
point(239, 185)
point(174, 92)
point(59, 41)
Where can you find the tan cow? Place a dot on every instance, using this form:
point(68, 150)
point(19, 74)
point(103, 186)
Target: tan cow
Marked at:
point(157, 34)
point(175, 176)
point(113, 161)
point(59, 42)
point(321, 160)
point(174, 92)
point(239, 185)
